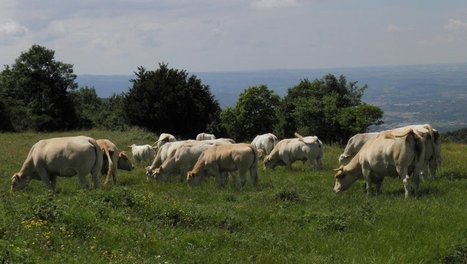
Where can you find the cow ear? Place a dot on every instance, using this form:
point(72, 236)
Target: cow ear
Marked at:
point(339, 174)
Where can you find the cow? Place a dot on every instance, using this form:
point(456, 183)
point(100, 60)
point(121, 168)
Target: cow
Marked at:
point(265, 142)
point(218, 160)
point(113, 159)
point(181, 162)
point(290, 150)
point(163, 138)
point(142, 153)
point(354, 144)
point(65, 157)
point(391, 153)
point(164, 152)
point(432, 147)
point(205, 136)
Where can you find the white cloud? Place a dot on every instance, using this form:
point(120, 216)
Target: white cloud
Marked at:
point(393, 29)
point(455, 25)
point(268, 4)
point(11, 28)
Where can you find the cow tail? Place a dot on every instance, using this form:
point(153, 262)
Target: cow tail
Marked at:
point(255, 155)
point(418, 145)
point(96, 169)
point(110, 169)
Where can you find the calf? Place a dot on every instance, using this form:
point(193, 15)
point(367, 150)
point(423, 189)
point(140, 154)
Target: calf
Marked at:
point(143, 153)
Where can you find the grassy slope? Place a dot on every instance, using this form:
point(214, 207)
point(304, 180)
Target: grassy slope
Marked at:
point(294, 217)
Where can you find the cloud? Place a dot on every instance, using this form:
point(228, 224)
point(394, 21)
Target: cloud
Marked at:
point(11, 28)
point(393, 29)
point(455, 25)
point(268, 4)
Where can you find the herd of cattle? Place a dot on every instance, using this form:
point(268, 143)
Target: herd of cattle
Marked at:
point(406, 152)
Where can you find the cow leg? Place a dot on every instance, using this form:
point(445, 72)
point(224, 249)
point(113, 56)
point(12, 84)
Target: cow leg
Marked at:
point(83, 181)
point(242, 174)
point(254, 175)
point(433, 168)
point(378, 184)
point(53, 182)
point(366, 171)
point(405, 179)
point(319, 163)
point(45, 177)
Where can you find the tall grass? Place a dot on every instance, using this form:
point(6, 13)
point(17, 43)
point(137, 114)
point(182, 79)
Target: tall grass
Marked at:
point(293, 217)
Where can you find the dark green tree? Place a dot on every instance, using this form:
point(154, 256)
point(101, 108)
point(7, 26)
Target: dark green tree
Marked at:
point(169, 100)
point(330, 108)
point(36, 89)
point(254, 113)
point(88, 106)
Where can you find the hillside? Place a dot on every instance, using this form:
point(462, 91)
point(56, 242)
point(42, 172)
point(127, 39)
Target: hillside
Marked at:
point(434, 94)
point(293, 217)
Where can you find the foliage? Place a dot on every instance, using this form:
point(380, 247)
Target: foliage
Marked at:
point(169, 100)
point(36, 90)
point(330, 108)
point(254, 113)
point(136, 221)
point(458, 136)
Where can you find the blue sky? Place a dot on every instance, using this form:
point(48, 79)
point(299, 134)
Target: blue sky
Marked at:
point(117, 36)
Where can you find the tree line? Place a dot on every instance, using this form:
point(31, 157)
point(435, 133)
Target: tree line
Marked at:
point(39, 93)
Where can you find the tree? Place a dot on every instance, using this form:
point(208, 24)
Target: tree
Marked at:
point(36, 89)
point(254, 113)
point(88, 107)
point(169, 100)
point(330, 108)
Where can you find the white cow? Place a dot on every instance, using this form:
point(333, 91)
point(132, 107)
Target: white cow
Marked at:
point(432, 146)
point(181, 162)
point(205, 136)
point(265, 142)
point(142, 153)
point(217, 160)
point(166, 151)
point(65, 157)
point(290, 150)
point(394, 154)
point(354, 145)
point(164, 138)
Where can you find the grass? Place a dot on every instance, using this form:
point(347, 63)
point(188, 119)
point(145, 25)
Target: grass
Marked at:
point(294, 217)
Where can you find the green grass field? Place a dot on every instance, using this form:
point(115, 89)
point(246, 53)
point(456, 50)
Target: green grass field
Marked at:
point(293, 217)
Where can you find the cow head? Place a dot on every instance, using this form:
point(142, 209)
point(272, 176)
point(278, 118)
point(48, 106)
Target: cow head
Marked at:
point(344, 179)
point(18, 182)
point(159, 174)
point(124, 162)
point(193, 178)
point(269, 162)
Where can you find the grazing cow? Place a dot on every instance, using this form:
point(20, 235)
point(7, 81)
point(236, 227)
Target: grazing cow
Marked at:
point(394, 154)
point(164, 138)
point(218, 160)
point(143, 153)
point(290, 150)
point(65, 157)
point(113, 160)
point(181, 162)
point(265, 142)
point(354, 144)
point(164, 152)
point(432, 147)
point(205, 136)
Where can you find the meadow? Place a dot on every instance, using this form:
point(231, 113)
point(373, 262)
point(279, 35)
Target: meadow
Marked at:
point(293, 217)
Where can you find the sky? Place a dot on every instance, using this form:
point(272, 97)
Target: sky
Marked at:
point(118, 36)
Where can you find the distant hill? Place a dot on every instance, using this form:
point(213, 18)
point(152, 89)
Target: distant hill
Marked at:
point(434, 94)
